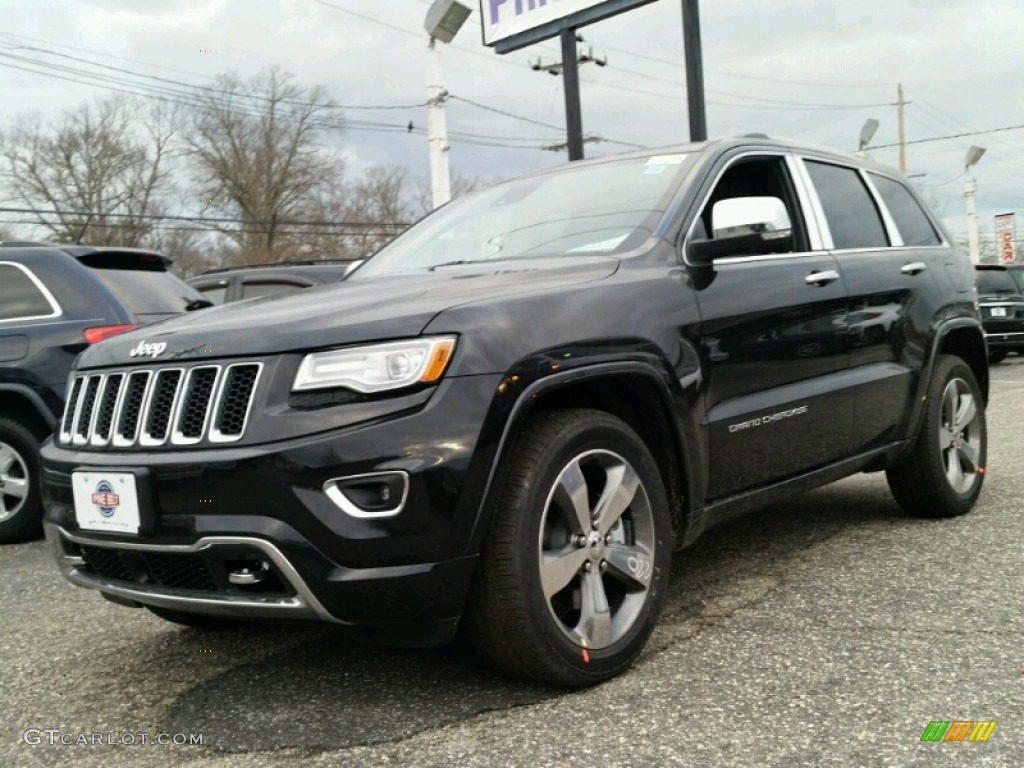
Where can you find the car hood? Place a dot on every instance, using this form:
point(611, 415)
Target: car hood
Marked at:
point(391, 307)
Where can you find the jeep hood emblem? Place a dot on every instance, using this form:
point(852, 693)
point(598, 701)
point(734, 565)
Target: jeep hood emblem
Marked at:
point(145, 349)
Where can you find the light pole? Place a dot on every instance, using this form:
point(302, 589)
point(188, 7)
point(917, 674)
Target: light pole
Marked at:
point(867, 133)
point(444, 19)
point(973, 156)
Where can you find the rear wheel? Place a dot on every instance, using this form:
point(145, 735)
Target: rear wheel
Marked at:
point(576, 559)
point(197, 620)
point(944, 474)
point(21, 506)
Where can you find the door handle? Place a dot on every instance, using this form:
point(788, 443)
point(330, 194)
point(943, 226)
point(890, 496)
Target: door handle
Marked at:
point(822, 278)
point(914, 268)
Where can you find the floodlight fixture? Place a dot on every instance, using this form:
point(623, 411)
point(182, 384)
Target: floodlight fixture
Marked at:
point(867, 132)
point(973, 155)
point(445, 18)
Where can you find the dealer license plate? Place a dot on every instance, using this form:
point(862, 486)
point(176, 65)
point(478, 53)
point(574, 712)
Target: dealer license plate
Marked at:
point(998, 311)
point(106, 501)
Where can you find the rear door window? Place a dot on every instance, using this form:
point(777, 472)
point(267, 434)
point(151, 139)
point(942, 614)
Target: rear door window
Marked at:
point(21, 295)
point(913, 223)
point(850, 211)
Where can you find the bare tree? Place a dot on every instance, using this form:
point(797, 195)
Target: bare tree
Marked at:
point(254, 150)
point(106, 157)
point(461, 184)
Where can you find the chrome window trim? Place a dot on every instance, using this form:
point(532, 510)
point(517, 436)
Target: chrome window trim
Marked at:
point(50, 298)
point(818, 210)
point(768, 257)
point(892, 231)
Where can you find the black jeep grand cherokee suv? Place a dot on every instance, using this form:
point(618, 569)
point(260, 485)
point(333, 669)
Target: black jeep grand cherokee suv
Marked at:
point(509, 416)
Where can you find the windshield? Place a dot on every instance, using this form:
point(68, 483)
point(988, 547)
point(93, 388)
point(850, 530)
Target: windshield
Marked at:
point(601, 209)
point(1018, 278)
point(991, 281)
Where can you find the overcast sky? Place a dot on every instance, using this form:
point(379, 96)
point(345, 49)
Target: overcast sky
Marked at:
point(813, 71)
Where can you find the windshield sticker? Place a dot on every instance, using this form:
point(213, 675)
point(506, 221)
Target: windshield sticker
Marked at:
point(666, 159)
point(604, 245)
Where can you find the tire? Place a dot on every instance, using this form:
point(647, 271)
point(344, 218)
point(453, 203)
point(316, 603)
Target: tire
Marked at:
point(587, 617)
point(21, 502)
point(197, 620)
point(997, 356)
point(943, 475)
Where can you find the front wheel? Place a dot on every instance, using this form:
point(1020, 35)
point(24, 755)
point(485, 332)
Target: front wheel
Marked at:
point(997, 356)
point(943, 475)
point(21, 506)
point(576, 559)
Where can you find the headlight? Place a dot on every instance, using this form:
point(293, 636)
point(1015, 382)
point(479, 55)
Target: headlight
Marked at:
point(377, 367)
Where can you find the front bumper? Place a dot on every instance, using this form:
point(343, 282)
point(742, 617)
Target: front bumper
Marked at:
point(262, 510)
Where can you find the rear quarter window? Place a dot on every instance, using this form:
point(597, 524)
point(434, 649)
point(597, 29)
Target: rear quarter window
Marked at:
point(22, 296)
point(913, 223)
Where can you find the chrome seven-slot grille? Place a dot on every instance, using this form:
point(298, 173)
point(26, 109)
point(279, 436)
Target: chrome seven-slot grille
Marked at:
point(164, 406)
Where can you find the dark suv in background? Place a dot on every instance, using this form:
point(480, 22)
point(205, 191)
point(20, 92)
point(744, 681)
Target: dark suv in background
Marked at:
point(1001, 297)
point(507, 417)
point(54, 302)
point(221, 285)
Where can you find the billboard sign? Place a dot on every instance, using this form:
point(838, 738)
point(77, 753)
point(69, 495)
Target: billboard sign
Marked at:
point(512, 24)
point(1005, 236)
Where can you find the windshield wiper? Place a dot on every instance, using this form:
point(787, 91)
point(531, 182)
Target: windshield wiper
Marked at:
point(195, 304)
point(456, 263)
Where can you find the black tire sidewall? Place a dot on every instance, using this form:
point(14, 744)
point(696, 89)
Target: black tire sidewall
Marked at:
point(593, 431)
point(27, 522)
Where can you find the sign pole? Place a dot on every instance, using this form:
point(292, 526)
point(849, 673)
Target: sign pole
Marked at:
point(571, 81)
point(694, 71)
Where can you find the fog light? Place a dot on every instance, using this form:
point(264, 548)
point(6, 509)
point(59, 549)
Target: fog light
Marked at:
point(374, 495)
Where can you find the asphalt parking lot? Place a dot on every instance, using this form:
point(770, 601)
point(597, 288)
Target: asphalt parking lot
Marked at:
point(828, 631)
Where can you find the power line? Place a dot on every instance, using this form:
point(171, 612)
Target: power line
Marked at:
point(952, 136)
point(210, 89)
point(199, 219)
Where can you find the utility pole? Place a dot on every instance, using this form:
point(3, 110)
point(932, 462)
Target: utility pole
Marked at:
point(569, 67)
point(900, 129)
point(437, 130)
point(694, 71)
point(973, 156)
point(573, 110)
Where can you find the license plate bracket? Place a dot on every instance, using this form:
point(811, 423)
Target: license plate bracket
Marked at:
point(116, 501)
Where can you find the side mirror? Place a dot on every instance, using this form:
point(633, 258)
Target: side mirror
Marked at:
point(704, 252)
point(352, 268)
point(745, 226)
